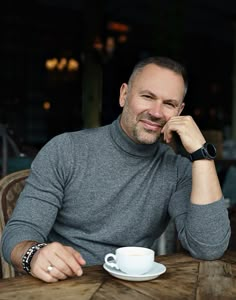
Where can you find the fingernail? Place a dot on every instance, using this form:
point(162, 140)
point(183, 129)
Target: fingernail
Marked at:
point(79, 273)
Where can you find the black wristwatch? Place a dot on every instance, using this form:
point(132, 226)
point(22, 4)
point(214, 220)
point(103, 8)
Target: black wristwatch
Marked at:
point(207, 151)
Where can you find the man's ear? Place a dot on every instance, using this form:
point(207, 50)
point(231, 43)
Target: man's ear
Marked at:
point(123, 94)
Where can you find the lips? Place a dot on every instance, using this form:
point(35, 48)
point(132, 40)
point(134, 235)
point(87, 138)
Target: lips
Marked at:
point(154, 126)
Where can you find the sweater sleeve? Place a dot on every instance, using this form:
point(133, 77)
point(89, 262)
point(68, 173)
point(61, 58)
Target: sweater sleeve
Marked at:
point(203, 230)
point(39, 202)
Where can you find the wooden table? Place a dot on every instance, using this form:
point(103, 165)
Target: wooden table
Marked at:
point(185, 278)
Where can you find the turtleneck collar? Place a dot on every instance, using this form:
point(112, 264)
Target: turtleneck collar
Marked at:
point(122, 140)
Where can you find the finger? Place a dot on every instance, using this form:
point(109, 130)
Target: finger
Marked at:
point(77, 256)
point(71, 258)
point(48, 273)
point(75, 261)
point(60, 265)
point(55, 272)
point(43, 274)
point(168, 136)
point(167, 133)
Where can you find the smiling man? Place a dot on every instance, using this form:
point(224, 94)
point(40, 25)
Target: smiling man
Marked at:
point(154, 95)
point(95, 190)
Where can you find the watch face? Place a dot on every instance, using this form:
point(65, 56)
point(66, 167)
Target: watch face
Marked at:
point(207, 151)
point(211, 150)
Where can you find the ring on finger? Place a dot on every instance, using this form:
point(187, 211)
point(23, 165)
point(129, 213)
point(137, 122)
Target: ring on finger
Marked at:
point(49, 268)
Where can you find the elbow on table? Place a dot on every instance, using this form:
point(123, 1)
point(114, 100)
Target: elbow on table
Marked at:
point(206, 251)
point(209, 255)
point(211, 252)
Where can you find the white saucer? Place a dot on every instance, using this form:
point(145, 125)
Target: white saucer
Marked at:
point(155, 271)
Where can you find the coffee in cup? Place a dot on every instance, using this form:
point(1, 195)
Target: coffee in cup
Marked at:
point(131, 260)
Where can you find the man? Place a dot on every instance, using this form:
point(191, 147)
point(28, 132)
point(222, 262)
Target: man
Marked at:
point(92, 191)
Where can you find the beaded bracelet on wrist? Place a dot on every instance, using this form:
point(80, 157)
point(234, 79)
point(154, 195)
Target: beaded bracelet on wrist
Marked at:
point(26, 259)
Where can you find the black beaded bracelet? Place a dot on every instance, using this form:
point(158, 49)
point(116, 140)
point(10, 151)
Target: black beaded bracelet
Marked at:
point(26, 259)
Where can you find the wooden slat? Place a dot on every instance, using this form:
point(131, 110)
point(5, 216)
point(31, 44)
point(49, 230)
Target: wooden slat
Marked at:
point(116, 290)
point(168, 286)
point(215, 281)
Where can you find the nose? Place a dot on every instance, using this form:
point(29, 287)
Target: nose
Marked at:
point(156, 109)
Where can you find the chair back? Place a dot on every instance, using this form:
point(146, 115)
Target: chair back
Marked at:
point(11, 186)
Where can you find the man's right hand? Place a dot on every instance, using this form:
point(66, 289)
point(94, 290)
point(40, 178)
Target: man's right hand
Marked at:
point(51, 263)
point(56, 262)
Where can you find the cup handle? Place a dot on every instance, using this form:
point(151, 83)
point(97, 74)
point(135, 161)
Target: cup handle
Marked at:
point(111, 264)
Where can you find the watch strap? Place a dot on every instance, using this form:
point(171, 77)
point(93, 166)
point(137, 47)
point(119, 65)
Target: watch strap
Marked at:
point(203, 153)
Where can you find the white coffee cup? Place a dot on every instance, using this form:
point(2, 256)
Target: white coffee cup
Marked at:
point(131, 260)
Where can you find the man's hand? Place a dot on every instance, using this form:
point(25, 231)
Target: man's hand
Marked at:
point(63, 261)
point(188, 131)
point(205, 183)
point(51, 263)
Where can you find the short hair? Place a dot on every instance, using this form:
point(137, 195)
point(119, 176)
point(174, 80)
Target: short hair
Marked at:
point(163, 62)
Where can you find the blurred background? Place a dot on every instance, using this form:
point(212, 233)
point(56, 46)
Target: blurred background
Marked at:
point(63, 61)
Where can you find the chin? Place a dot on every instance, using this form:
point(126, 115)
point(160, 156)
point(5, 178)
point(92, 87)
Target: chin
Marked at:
point(148, 141)
point(144, 136)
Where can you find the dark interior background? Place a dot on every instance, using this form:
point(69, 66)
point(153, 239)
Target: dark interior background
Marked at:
point(198, 33)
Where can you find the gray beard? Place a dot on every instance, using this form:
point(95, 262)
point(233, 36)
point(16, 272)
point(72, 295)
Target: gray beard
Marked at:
point(141, 141)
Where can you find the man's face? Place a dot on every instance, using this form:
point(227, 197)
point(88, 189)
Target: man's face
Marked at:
point(155, 95)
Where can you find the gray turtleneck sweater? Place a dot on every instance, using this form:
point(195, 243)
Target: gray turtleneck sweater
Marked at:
point(97, 190)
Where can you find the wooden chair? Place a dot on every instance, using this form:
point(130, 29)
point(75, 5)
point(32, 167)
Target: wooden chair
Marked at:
point(11, 186)
point(232, 217)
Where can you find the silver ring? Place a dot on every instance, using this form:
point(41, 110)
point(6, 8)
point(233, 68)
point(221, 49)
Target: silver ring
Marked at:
point(49, 269)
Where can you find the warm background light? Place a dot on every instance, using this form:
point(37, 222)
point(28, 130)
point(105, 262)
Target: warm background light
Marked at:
point(51, 63)
point(119, 27)
point(122, 38)
point(73, 65)
point(62, 64)
point(98, 45)
point(46, 105)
